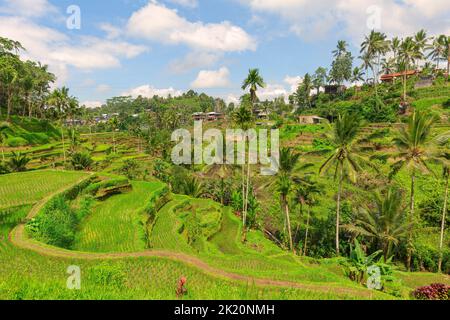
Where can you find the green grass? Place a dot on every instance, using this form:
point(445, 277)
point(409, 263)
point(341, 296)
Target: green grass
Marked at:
point(28, 275)
point(26, 188)
point(113, 225)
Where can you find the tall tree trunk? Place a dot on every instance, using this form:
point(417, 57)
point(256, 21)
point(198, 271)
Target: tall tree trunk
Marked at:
point(404, 87)
point(247, 192)
point(307, 231)
point(338, 210)
point(411, 220)
point(9, 104)
point(288, 221)
point(444, 216)
point(63, 142)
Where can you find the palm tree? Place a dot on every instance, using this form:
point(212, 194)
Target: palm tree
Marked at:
point(388, 66)
point(375, 45)
point(340, 49)
point(3, 136)
point(412, 144)
point(420, 40)
point(114, 123)
point(395, 46)
point(253, 81)
point(357, 76)
point(18, 162)
point(407, 55)
point(243, 118)
point(344, 159)
point(192, 187)
point(306, 192)
point(287, 162)
point(60, 100)
point(437, 50)
point(284, 185)
point(382, 220)
point(367, 63)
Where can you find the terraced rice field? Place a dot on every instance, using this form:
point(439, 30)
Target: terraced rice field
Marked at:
point(113, 225)
point(27, 188)
point(165, 233)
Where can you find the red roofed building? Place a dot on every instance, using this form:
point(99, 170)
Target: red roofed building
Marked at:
point(392, 76)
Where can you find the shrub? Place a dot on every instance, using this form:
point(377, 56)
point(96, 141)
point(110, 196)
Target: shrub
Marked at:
point(55, 225)
point(81, 161)
point(18, 162)
point(3, 168)
point(436, 291)
point(131, 169)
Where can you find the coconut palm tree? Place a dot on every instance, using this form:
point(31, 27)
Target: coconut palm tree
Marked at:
point(407, 56)
point(437, 50)
point(367, 63)
point(253, 82)
point(412, 142)
point(388, 66)
point(374, 46)
point(287, 163)
point(60, 101)
point(340, 49)
point(382, 220)
point(306, 194)
point(284, 185)
point(243, 118)
point(421, 42)
point(345, 159)
point(395, 46)
point(114, 123)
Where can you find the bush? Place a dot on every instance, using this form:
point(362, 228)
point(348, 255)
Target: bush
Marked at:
point(81, 161)
point(55, 225)
point(436, 291)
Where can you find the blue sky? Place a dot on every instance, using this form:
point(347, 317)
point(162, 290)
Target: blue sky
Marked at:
point(170, 46)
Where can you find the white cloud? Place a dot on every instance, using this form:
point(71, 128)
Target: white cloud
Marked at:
point(272, 91)
point(158, 23)
point(185, 3)
point(212, 79)
point(60, 52)
point(293, 82)
point(231, 98)
point(27, 8)
point(111, 31)
point(314, 19)
point(194, 60)
point(150, 91)
point(92, 104)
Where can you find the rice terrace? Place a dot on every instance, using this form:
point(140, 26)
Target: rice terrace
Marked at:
point(94, 206)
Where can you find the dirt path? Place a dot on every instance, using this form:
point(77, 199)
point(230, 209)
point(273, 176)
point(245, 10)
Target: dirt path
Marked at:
point(19, 239)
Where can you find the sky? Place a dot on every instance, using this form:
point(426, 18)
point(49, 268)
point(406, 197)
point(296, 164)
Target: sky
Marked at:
point(106, 48)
